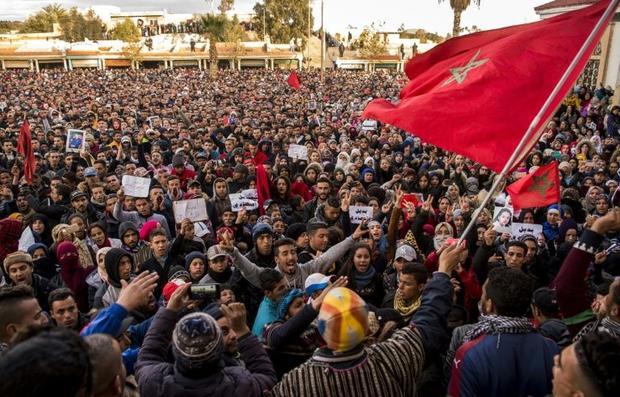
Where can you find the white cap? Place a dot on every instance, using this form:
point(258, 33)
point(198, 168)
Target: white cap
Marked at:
point(406, 252)
point(201, 229)
point(315, 282)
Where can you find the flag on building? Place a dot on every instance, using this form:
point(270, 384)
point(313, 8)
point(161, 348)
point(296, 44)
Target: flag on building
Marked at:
point(24, 147)
point(293, 80)
point(540, 188)
point(476, 95)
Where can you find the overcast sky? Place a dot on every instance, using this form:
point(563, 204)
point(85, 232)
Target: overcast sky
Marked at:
point(339, 14)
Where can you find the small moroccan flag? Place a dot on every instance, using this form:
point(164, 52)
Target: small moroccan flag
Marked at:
point(540, 188)
point(293, 80)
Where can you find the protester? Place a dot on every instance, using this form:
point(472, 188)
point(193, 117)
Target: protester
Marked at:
point(296, 223)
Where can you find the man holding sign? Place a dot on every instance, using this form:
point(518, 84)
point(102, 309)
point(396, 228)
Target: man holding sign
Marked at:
point(142, 214)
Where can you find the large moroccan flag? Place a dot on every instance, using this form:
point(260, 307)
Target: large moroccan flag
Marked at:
point(476, 95)
point(540, 188)
point(24, 147)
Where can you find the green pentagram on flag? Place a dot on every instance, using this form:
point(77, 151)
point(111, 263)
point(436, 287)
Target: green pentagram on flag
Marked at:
point(459, 74)
point(541, 184)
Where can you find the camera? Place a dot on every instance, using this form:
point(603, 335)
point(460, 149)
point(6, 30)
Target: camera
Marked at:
point(204, 291)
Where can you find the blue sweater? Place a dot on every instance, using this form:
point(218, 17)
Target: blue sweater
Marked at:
point(503, 365)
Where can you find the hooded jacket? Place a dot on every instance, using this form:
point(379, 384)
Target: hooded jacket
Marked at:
point(141, 252)
point(112, 261)
point(218, 205)
point(158, 377)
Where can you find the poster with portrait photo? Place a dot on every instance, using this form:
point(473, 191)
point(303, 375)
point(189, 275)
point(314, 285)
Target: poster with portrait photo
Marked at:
point(502, 219)
point(75, 140)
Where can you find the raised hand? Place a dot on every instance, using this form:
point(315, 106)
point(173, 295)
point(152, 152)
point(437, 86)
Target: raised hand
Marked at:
point(345, 201)
point(610, 222)
point(428, 204)
point(385, 208)
point(360, 231)
point(179, 298)
point(340, 282)
point(236, 314)
point(226, 242)
point(450, 257)
point(138, 292)
point(399, 194)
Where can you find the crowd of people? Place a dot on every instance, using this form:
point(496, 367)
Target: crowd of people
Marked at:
point(290, 293)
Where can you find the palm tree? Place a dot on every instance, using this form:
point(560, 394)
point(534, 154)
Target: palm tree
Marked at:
point(215, 30)
point(458, 6)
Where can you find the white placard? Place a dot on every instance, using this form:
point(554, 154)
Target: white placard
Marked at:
point(75, 140)
point(250, 194)
point(521, 229)
point(298, 152)
point(195, 209)
point(239, 201)
point(135, 186)
point(358, 214)
point(502, 219)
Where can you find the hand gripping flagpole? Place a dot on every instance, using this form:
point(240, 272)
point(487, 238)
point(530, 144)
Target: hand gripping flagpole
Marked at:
point(611, 8)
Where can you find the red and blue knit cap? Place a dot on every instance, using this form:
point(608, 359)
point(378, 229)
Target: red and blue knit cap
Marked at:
point(197, 341)
point(343, 319)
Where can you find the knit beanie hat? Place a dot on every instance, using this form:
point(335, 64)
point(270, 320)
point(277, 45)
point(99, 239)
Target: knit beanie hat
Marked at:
point(197, 341)
point(147, 228)
point(178, 272)
point(189, 258)
point(286, 301)
point(295, 230)
point(260, 229)
point(343, 319)
point(16, 257)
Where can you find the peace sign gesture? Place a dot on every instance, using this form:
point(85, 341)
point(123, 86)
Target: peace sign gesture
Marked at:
point(450, 212)
point(398, 199)
point(385, 208)
point(428, 204)
point(226, 242)
point(345, 201)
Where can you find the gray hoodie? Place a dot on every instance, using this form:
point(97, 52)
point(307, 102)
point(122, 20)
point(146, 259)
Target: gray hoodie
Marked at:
point(252, 272)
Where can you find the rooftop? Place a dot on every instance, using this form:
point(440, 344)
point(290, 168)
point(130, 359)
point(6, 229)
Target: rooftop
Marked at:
point(563, 3)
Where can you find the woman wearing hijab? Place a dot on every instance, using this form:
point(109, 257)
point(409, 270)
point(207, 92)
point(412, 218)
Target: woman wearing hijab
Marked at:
point(37, 231)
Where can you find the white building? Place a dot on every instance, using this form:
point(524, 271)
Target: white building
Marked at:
point(603, 68)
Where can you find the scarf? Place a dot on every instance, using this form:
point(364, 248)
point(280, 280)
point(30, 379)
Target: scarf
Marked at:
point(406, 311)
point(497, 325)
point(220, 278)
point(363, 279)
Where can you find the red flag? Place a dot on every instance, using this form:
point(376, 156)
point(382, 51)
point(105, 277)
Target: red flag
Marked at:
point(24, 147)
point(540, 188)
point(263, 187)
point(476, 95)
point(293, 80)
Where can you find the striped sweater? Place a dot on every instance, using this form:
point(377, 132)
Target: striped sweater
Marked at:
point(386, 369)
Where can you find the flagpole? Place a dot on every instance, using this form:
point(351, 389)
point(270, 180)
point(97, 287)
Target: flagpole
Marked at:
point(613, 5)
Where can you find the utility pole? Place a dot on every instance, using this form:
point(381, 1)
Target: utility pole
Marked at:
point(309, 33)
point(322, 43)
point(264, 22)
